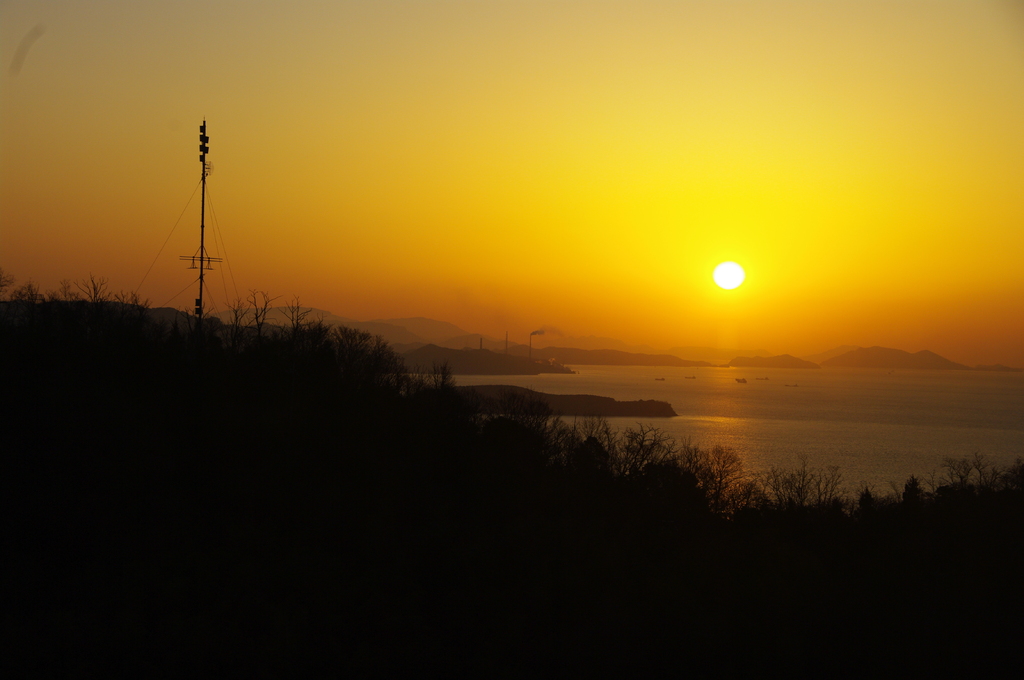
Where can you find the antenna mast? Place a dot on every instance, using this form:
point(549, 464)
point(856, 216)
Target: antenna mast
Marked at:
point(204, 260)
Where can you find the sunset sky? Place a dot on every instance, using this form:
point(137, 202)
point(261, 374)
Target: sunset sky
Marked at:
point(512, 165)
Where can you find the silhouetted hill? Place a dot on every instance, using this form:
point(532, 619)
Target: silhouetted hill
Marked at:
point(389, 332)
point(834, 352)
point(286, 502)
point(479, 362)
point(281, 316)
point(603, 357)
point(472, 341)
point(589, 342)
point(885, 357)
point(572, 404)
point(431, 330)
point(780, 361)
point(168, 316)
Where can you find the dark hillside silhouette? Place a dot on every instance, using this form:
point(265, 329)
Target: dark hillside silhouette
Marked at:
point(247, 500)
point(495, 396)
point(391, 332)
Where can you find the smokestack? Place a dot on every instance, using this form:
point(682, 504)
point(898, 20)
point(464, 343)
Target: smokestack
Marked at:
point(537, 332)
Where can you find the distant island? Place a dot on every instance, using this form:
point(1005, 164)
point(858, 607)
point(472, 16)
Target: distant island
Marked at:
point(999, 367)
point(713, 355)
point(606, 357)
point(885, 357)
point(780, 361)
point(574, 404)
point(479, 362)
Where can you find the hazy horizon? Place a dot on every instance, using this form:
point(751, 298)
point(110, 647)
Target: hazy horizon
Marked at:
point(550, 337)
point(508, 166)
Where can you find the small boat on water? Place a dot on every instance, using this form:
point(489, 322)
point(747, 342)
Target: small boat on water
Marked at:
point(793, 385)
point(690, 377)
point(659, 378)
point(741, 380)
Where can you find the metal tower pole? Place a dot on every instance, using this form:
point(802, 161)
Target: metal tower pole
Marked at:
point(204, 260)
point(202, 241)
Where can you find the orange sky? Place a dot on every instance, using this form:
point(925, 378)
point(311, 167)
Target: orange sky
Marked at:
point(509, 165)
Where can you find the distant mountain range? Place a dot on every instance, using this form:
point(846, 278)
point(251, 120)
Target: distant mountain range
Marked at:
point(408, 334)
point(429, 330)
point(709, 354)
point(780, 361)
point(603, 357)
point(849, 356)
point(715, 356)
point(823, 356)
point(885, 357)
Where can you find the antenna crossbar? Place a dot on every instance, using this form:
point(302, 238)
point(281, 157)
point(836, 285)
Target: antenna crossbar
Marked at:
point(205, 260)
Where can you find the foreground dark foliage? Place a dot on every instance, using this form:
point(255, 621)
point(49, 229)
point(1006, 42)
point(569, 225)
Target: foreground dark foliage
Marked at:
point(228, 501)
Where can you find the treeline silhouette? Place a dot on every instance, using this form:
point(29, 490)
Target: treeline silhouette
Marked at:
point(237, 499)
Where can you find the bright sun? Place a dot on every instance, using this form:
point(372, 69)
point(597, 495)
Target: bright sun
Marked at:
point(729, 275)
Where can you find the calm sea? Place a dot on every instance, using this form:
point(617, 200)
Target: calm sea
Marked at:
point(877, 426)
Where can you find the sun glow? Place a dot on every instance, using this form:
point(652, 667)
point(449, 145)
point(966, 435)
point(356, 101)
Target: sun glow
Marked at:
point(729, 275)
point(517, 164)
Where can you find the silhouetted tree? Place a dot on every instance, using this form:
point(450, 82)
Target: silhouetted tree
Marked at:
point(6, 281)
point(239, 314)
point(912, 495)
point(866, 503)
point(304, 503)
point(801, 487)
point(259, 302)
point(26, 292)
point(64, 293)
point(638, 447)
point(720, 475)
point(94, 289)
